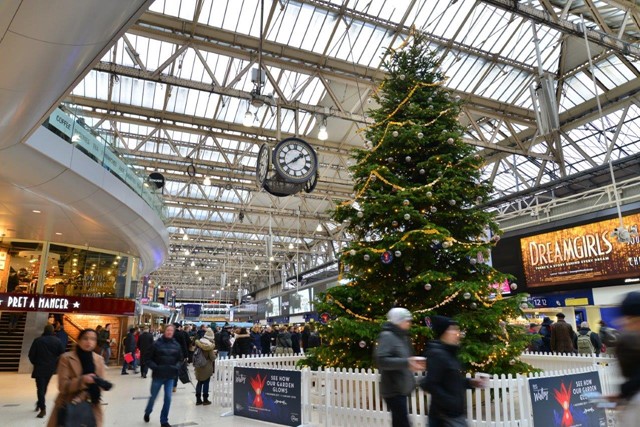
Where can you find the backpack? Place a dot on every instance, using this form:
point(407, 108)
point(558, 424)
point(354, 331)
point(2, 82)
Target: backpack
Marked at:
point(199, 359)
point(609, 336)
point(584, 344)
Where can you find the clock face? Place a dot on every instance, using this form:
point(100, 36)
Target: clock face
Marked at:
point(262, 165)
point(295, 160)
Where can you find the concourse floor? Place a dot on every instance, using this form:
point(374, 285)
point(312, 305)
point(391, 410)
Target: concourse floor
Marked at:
point(123, 404)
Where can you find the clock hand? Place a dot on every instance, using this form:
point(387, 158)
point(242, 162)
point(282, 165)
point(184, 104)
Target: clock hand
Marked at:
point(296, 159)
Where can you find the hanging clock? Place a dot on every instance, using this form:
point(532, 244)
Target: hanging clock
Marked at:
point(294, 160)
point(310, 185)
point(262, 165)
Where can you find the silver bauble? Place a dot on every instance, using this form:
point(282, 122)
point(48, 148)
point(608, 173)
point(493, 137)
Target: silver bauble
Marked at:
point(366, 257)
point(360, 214)
point(395, 133)
point(473, 261)
point(362, 344)
point(408, 268)
point(440, 173)
point(428, 194)
point(405, 202)
point(479, 199)
point(407, 159)
point(394, 223)
point(433, 209)
point(446, 244)
point(429, 99)
point(474, 305)
point(514, 286)
point(420, 135)
point(422, 171)
point(402, 77)
point(390, 159)
point(349, 299)
point(450, 141)
point(374, 178)
point(512, 362)
point(407, 217)
point(452, 202)
point(466, 295)
point(496, 238)
point(427, 286)
point(524, 306)
point(352, 252)
point(397, 254)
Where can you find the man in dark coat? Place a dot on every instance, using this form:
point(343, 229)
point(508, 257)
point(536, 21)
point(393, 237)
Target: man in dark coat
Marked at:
point(225, 341)
point(182, 338)
point(545, 332)
point(265, 340)
point(394, 358)
point(130, 347)
point(145, 342)
point(43, 354)
point(445, 379)
point(562, 336)
point(165, 359)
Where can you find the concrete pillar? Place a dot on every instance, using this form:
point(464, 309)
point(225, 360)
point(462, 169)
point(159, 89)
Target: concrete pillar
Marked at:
point(33, 328)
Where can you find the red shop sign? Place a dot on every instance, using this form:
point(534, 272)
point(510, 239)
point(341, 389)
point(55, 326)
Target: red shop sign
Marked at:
point(65, 304)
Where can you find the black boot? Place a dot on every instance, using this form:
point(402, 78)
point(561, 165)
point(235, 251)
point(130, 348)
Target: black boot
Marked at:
point(198, 401)
point(42, 413)
point(206, 400)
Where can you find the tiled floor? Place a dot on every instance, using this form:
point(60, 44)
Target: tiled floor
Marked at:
point(124, 404)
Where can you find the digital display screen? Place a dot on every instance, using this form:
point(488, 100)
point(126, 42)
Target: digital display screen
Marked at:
point(585, 253)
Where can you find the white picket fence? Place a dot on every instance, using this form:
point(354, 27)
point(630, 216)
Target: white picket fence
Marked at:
point(351, 397)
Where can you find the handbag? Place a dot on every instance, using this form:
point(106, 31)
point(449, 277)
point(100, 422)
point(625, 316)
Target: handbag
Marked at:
point(128, 357)
point(77, 414)
point(183, 374)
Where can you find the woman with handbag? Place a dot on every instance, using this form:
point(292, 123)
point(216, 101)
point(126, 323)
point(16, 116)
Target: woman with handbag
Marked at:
point(79, 373)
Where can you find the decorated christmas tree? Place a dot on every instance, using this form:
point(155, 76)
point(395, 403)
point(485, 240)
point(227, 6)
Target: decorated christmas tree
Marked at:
point(419, 238)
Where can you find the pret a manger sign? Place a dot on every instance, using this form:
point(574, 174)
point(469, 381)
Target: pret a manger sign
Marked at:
point(39, 302)
point(584, 253)
point(66, 304)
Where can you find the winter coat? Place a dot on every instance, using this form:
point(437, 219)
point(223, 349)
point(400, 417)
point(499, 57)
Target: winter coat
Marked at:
point(445, 381)
point(225, 340)
point(265, 342)
point(295, 342)
point(130, 343)
point(391, 355)
point(44, 354)
point(545, 332)
point(562, 336)
point(203, 373)
point(145, 342)
point(243, 345)
point(182, 338)
point(595, 339)
point(304, 338)
point(284, 340)
point(165, 358)
point(256, 338)
point(70, 385)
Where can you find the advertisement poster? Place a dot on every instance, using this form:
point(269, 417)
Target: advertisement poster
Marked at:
point(191, 310)
point(562, 401)
point(581, 254)
point(269, 395)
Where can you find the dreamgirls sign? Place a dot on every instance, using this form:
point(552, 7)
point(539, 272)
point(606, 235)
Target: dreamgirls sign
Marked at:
point(579, 254)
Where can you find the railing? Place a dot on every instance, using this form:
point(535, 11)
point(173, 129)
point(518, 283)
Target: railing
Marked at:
point(351, 397)
point(72, 129)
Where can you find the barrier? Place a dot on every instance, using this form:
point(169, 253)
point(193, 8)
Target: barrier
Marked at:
point(351, 397)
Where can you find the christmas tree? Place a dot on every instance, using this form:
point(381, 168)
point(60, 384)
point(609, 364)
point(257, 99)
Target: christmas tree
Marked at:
point(419, 239)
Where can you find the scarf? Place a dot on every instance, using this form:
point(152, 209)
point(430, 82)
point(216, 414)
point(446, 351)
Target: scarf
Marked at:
point(86, 359)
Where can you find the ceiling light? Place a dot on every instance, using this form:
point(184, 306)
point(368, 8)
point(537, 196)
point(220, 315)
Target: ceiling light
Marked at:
point(319, 227)
point(206, 181)
point(199, 279)
point(118, 257)
point(185, 237)
point(58, 234)
point(256, 268)
point(36, 211)
point(186, 251)
point(235, 281)
point(244, 275)
point(271, 258)
point(197, 272)
point(290, 245)
point(248, 119)
point(193, 263)
point(322, 133)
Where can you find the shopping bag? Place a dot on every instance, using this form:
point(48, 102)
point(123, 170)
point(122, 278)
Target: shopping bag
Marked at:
point(183, 373)
point(79, 414)
point(128, 357)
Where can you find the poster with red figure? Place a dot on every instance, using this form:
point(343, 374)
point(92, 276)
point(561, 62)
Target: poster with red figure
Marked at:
point(270, 395)
point(563, 401)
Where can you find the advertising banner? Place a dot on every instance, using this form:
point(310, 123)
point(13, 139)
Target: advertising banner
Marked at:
point(191, 310)
point(562, 401)
point(581, 254)
point(66, 304)
point(269, 395)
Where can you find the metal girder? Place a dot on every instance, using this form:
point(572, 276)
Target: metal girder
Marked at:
point(610, 41)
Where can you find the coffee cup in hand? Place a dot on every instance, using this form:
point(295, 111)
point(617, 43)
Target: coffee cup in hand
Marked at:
point(418, 363)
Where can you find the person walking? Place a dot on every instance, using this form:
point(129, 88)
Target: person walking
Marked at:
point(81, 377)
point(43, 355)
point(393, 356)
point(545, 332)
point(562, 336)
point(165, 359)
point(445, 380)
point(104, 342)
point(61, 334)
point(129, 348)
point(608, 337)
point(203, 360)
point(145, 342)
point(224, 341)
point(587, 342)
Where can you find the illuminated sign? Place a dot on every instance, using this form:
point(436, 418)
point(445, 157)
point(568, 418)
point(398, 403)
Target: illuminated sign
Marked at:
point(65, 304)
point(585, 253)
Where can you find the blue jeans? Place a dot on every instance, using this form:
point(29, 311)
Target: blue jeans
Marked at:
point(106, 354)
point(156, 384)
point(222, 354)
point(134, 364)
point(202, 389)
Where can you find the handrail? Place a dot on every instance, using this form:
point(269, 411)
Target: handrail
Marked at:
point(72, 129)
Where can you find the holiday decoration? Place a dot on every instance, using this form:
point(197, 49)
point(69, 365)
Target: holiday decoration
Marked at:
point(360, 214)
point(397, 254)
point(436, 238)
point(514, 286)
point(407, 159)
point(352, 252)
point(386, 257)
point(362, 344)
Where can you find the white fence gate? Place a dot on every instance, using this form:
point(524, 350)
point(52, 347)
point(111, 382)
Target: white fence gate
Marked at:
point(351, 397)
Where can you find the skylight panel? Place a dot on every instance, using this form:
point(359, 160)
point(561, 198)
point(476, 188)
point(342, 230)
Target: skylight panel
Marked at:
point(232, 15)
point(613, 72)
point(443, 18)
point(577, 89)
point(301, 26)
point(319, 32)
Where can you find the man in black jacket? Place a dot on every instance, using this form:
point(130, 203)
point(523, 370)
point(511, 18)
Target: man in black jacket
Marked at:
point(43, 354)
point(225, 341)
point(129, 348)
point(165, 359)
point(394, 358)
point(445, 381)
point(145, 342)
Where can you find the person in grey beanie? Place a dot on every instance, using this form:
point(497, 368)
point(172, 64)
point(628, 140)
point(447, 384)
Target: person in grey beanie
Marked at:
point(394, 358)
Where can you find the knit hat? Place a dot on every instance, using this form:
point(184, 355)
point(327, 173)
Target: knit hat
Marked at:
point(631, 304)
point(398, 315)
point(209, 334)
point(440, 324)
point(205, 341)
